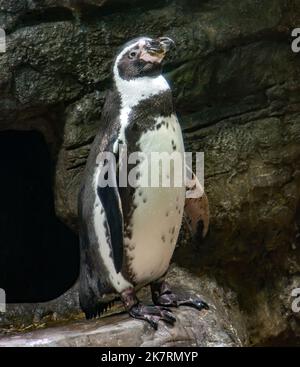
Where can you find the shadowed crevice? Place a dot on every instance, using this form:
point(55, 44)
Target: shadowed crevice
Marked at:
point(39, 255)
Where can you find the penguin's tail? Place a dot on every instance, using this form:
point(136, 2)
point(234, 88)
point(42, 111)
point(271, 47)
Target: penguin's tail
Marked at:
point(96, 295)
point(96, 309)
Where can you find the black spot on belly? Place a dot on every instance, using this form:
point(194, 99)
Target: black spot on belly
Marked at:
point(131, 248)
point(128, 234)
point(144, 200)
point(163, 238)
point(167, 214)
point(158, 126)
point(174, 145)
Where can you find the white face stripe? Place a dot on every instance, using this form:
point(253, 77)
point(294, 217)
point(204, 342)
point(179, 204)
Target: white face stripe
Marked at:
point(135, 90)
point(140, 42)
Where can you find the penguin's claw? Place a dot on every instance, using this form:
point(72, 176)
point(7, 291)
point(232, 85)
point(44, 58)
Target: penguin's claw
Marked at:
point(162, 295)
point(172, 300)
point(152, 314)
point(197, 303)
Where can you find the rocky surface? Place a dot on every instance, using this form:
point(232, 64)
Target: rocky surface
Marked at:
point(219, 326)
point(236, 84)
point(28, 316)
point(191, 329)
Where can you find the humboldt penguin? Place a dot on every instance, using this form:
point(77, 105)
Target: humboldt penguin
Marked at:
point(128, 232)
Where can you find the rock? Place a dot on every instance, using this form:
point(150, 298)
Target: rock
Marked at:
point(120, 331)
point(32, 315)
point(236, 84)
point(81, 124)
point(193, 328)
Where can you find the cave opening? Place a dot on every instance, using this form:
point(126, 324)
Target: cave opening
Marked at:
point(39, 255)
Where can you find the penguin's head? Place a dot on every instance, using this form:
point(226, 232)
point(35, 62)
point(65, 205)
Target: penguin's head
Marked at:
point(142, 57)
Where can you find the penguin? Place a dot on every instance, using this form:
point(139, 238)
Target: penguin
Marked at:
point(128, 232)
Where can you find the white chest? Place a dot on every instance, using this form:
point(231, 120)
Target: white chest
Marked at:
point(157, 218)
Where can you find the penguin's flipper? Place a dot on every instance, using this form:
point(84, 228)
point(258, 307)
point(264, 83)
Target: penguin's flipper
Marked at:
point(196, 208)
point(110, 199)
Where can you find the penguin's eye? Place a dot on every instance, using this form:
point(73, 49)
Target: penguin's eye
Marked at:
point(132, 54)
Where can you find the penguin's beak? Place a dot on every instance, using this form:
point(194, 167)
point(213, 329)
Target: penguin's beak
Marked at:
point(156, 49)
point(166, 43)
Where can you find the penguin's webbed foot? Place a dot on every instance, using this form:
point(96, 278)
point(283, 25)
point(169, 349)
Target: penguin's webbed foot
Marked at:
point(152, 314)
point(162, 295)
